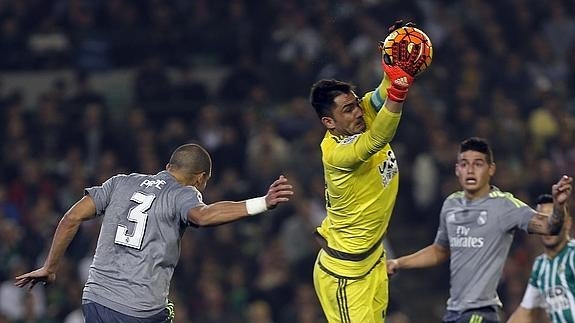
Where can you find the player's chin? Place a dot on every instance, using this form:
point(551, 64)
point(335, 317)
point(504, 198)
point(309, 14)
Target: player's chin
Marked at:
point(360, 127)
point(470, 187)
point(550, 241)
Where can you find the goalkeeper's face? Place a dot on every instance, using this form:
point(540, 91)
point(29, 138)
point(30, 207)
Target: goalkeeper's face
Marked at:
point(347, 116)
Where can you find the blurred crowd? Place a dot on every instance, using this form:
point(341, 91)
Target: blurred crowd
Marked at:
point(502, 70)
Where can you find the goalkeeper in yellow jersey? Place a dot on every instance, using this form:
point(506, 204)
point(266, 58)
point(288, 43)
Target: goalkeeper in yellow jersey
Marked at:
point(361, 175)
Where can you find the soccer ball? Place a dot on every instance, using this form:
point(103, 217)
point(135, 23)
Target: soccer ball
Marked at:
point(413, 36)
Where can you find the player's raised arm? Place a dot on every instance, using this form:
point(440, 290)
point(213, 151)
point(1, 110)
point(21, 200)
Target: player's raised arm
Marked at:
point(551, 225)
point(401, 64)
point(84, 209)
point(222, 212)
point(419, 49)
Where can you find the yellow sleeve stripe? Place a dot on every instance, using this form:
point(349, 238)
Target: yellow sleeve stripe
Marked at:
point(455, 195)
point(509, 196)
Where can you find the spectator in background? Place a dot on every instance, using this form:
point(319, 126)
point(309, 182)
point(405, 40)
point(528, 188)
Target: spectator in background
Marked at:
point(241, 81)
point(17, 304)
point(152, 84)
point(562, 152)
point(84, 94)
point(49, 46)
point(260, 312)
point(189, 89)
point(91, 44)
point(267, 142)
point(12, 44)
point(298, 245)
point(8, 210)
point(92, 133)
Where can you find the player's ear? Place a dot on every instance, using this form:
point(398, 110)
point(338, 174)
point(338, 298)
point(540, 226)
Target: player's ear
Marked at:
point(456, 169)
point(492, 169)
point(328, 122)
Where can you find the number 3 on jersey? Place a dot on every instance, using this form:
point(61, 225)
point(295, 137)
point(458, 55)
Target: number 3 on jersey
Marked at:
point(140, 217)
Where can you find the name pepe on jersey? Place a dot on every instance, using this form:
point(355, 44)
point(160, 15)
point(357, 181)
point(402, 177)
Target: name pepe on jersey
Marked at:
point(158, 183)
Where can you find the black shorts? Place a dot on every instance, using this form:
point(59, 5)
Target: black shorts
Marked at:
point(96, 313)
point(488, 314)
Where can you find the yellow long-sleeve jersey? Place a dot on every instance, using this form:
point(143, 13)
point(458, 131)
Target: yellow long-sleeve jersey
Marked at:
point(362, 177)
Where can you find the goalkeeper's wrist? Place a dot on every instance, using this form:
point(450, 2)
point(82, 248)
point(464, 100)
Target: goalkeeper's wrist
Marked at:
point(397, 94)
point(256, 205)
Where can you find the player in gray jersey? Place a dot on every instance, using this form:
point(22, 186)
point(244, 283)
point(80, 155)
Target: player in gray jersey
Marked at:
point(144, 218)
point(476, 228)
point(551, 287)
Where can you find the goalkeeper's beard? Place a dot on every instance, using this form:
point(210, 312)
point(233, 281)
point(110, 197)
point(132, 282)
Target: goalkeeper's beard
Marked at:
point(356, 127)
point(359, 126)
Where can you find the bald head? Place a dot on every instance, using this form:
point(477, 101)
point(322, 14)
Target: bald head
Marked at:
point(191, 159)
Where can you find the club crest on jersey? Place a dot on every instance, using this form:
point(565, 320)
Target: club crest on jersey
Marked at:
point(348, 140)
point(482, 218)
point(388, 168)
point(557, 299)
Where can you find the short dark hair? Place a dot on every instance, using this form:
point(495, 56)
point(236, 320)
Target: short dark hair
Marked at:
point(544, 199)
point(192, 159)
point(477, 144)
point(323, 93)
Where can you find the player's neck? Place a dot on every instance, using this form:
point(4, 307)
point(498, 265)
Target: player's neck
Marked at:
point(179, 177)
point(477, 194)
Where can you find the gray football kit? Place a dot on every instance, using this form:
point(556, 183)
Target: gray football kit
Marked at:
point(144, 218)
point(479, 234)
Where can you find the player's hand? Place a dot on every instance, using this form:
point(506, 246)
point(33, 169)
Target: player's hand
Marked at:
point(400, 23)
point(392, 266)
point(39, 275)
point(401, 61)
point(401, 66)
point(279, 192)
point(562, 189)
point(400, 79)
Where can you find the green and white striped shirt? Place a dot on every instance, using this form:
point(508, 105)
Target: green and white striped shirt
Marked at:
point(552, 285)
